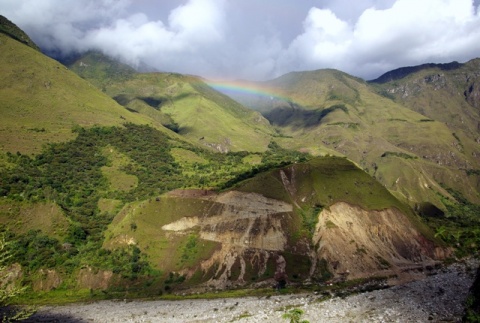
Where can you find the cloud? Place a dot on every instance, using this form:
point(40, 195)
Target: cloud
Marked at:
point(256, 40)
point(410, 32)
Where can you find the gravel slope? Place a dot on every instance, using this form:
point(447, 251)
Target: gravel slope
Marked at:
point(438, 297)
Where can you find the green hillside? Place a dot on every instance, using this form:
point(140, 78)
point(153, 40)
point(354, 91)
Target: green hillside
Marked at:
point(118, 184)
point(448, 93)
point(416, 156)
point(176, 230)
point(41, 100)
point(220, 123)
point(10, 29)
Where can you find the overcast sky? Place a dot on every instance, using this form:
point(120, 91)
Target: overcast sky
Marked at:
point(256, 39)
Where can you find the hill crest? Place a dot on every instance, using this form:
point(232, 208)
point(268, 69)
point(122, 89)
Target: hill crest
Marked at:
point(10, 29)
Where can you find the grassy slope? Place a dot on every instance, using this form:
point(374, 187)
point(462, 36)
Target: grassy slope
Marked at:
point(440, 94)
point(173, 99)
point(332, 179)
point(448, 96)
point(41, 100)
point(10, 29)
point(142, 222)
point(332, 112)
point(319, 182)
point(24, 216)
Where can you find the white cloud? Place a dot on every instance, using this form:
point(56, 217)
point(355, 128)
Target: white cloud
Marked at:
point(409, 32)
point(199, 21)
point(257, 40)
point(325, 37)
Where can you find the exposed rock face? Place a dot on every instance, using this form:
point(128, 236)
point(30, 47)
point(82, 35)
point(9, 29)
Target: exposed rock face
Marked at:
point(10, 276)
point(250, 228)
point(49, 279)
point(359, 242)
point(253, 232)
point(88, 278)
point(472, 94)
point(247, 220)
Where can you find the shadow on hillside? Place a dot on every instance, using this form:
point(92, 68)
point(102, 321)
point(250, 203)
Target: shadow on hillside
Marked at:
point(298, 117)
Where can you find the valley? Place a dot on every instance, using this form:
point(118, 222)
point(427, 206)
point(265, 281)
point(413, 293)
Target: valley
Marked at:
point(118, 184)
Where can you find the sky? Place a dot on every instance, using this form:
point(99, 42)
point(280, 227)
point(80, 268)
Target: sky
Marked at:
point(256, 39)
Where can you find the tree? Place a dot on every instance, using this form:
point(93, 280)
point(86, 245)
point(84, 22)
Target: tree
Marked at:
point(8, 289)
point(294, 315)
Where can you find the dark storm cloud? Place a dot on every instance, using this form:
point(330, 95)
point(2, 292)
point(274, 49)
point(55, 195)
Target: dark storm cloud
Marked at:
point(256, 39)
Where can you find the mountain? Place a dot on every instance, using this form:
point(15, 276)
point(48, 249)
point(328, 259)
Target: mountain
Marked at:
point(115, 183)
point(220, 122)
point(10, 29)
point(307, 220)
point(402, 72)
point(41, 100)
point(416, 155)
point(448, 93)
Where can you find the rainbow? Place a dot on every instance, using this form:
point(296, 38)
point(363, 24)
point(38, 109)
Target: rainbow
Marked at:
point(245, 88)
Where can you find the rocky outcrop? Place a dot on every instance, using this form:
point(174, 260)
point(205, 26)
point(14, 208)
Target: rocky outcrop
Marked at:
point(254, 231)
point(359, 243)
point(48, 279)
point(94, 279)
point(251, 229)
point(472, 94)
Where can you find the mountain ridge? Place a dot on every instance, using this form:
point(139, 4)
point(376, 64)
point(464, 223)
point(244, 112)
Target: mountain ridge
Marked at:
point(354, 120)
point(10, 29)
point(171, 98)
point(402, 72)
point(158, 183)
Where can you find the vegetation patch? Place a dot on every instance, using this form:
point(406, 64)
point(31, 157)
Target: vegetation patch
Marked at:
point(310, 219)
point(110, 206)
point(398, 154)
point(253, 159)
point(23, 216)
point(459, 226)
point(348, 125)
point(118, 179)
point(330, 225)
point(184, 156)
point(473, 172)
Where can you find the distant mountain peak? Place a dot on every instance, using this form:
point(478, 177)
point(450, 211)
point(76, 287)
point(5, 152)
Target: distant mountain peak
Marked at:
point(402, 72)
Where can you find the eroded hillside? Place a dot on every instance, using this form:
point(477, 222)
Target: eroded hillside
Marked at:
point(317, 220)
point(146, 183)
point(414, 146)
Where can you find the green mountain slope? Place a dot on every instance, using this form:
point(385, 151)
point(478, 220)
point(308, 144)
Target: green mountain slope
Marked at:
point(172, 99)
point(41, 100)
point(277, 221)
point(10, 29)
point(100, 200)
point(415, 156)
point(448, 93)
